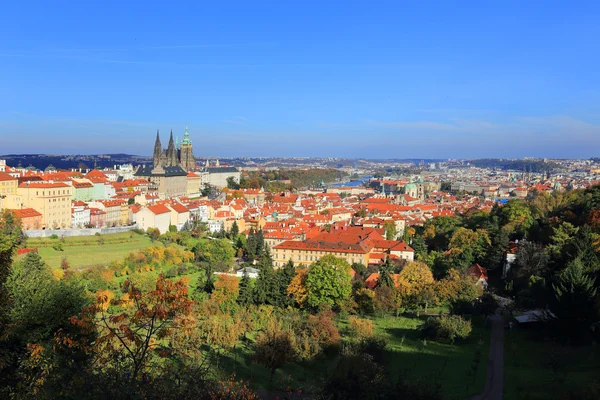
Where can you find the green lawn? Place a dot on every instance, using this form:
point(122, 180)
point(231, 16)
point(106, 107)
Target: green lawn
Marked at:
point(450, 366)
point(535, 368)
point(85, 251)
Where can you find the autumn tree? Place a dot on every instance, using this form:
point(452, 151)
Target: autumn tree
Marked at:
point(328, 282)
point(416, 280)
point(297, 288)
point(136, 333)
point(226, 291)
point(275, 346)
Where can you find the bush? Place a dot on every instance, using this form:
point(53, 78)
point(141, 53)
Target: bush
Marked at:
point(182, 270)
point(171, 273)
point(138, 231)
point(54, 236)
point(58, 247)
point(360, 328)
point(97, 234)
point(447, 328)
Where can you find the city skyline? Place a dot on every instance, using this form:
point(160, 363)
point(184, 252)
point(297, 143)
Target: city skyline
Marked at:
point(336, 80)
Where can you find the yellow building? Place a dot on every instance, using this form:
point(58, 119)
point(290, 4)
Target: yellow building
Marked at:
point(52, 200)
point(8, 184)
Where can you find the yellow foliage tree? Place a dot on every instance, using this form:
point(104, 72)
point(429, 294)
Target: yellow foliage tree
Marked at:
point(104, 297)
point(297, 287)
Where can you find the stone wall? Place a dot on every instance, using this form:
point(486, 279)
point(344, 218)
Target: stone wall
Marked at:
point(78, 232)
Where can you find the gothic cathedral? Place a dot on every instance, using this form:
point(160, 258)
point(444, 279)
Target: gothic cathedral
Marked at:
point(175, 154)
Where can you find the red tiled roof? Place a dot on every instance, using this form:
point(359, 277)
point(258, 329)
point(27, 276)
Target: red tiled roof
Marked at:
point(158, 209)
point(26, 213)
point(6, 177)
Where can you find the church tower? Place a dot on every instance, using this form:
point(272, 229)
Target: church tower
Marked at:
point(172, 160)
point(157, 151)
point(188, 162)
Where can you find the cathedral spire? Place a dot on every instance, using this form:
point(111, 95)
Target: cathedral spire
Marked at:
point(172, 160)
point(157, 150)
point(186, 136)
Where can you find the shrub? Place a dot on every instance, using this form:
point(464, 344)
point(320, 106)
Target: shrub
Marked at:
point(58, 247)
point(171, 273)
point(97, 234)
point(182, 270)
point(447, 328)
point(360, 328)
point(54, 236)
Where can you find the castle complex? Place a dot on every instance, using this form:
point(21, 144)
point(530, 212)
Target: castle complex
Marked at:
point(176, 154)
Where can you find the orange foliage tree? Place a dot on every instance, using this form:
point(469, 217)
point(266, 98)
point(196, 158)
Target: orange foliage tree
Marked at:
point(297, 287)
point(139, 332)
point(227, 289)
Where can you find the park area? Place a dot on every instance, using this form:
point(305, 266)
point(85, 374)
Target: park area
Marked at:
point(458, 369)
point(86, 251)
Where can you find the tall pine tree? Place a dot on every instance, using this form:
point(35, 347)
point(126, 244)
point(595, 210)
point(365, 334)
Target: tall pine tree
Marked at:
point(284, 278)
point(245, 294)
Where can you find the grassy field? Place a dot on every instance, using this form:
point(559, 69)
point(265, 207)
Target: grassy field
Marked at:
point(85, 251)
point(535, 368)
point(449, 366)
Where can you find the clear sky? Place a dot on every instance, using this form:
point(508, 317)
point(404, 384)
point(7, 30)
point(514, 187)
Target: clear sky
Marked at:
point(325, 78)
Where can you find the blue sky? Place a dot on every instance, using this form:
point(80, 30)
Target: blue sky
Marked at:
point(343, 79)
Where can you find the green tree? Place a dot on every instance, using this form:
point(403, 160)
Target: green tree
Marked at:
point(390, 230)
point(575, 304)
point(245, 296)
point(328, 282)
point(10, 239)
point(516, 217)
point(284, 278)
point(234, 231)
point(214, 252)
point(385, 274)
point(266, 288)
point(232, 184)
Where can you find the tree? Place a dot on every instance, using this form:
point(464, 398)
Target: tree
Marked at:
point(328, 282)
point(207, 283)
point(134, 334)
point(532, 259)
point(385, 277)
point(234, 231)
point(516, 217)
point(284, 278)
point(232, 184)
point(390, 230)
point(245, 294)
point(214, 252)
point(575, 304)
point(226, 290)
point(297, 288)
point(266, 290)
point(467, 247)
point(275, 346)
point(11, 237)
point(416, 280)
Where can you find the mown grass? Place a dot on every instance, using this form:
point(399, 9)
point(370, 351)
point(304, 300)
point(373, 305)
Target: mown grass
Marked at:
point(85, 251)
point(537, 368)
